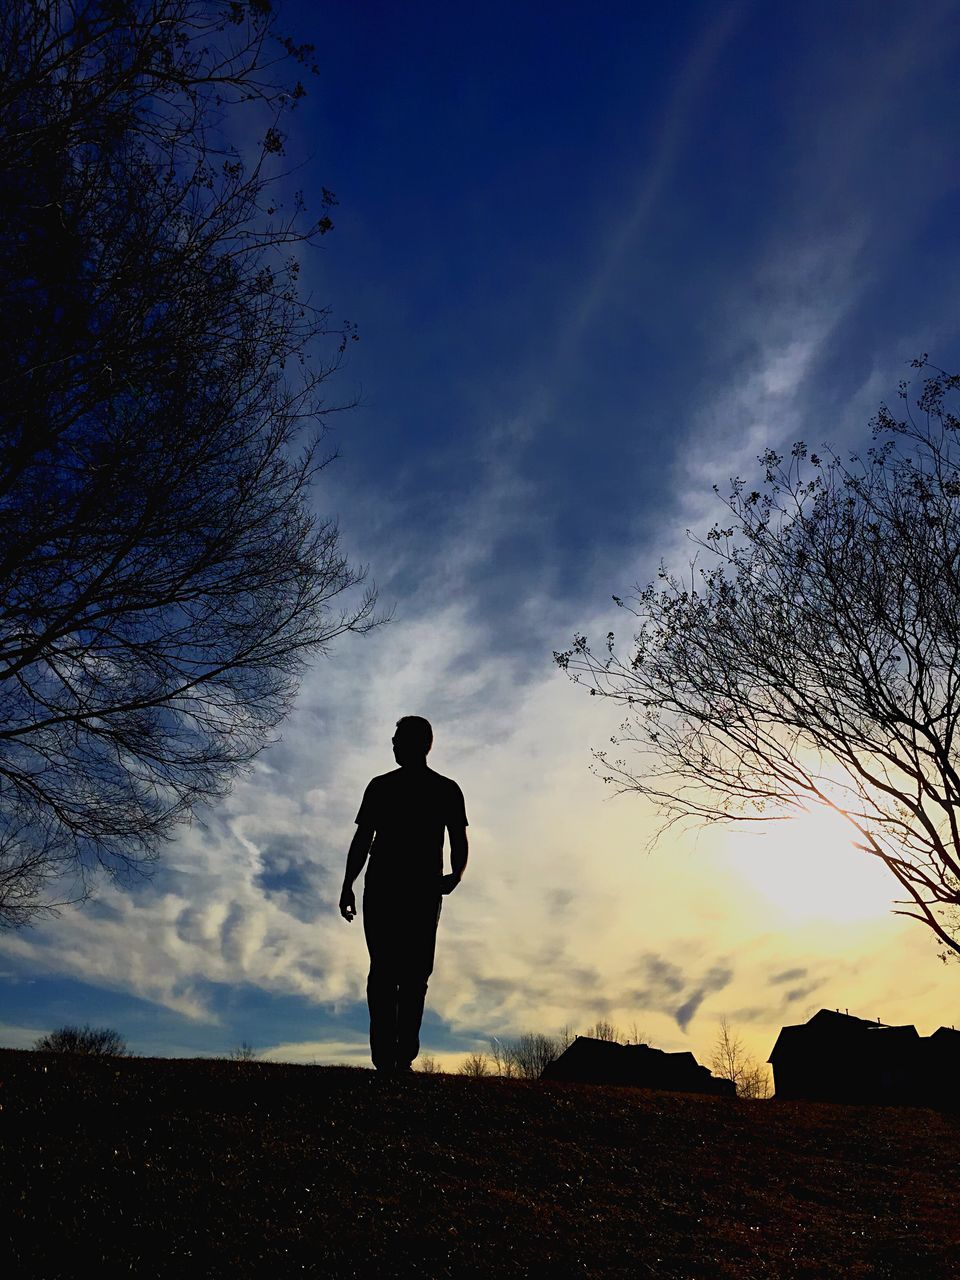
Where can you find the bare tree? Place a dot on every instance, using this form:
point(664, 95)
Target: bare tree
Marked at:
point(243, 1052)
point(603, 1029)
point(475, 1065)
point(96, 1041)
point(814, 658)
point(427, 1064)
point(163, 573)
point(732, 1062)
point(524, 1057)
point(501, 1059)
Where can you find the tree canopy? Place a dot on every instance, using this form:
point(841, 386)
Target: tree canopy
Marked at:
point(164, 574)
point(812, 655)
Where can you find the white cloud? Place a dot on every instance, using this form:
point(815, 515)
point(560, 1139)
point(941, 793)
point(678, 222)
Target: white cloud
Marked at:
point(345, 1052)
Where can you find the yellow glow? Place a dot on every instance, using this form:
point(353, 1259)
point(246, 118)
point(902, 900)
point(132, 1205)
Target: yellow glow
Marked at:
point(807, 869)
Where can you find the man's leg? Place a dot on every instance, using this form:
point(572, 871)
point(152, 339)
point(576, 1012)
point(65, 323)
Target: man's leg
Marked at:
point(416, 966)
point(380, 932)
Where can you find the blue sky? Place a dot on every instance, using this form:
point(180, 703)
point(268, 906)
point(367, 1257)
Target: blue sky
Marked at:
point(598, 260)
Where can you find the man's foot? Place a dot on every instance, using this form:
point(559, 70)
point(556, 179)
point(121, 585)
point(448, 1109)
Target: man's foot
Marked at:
point(393, 1069)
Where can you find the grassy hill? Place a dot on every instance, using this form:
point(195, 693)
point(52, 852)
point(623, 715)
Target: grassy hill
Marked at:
point(153, 1167)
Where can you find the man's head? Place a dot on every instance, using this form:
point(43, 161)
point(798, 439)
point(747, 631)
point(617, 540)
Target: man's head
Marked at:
point(412, 740)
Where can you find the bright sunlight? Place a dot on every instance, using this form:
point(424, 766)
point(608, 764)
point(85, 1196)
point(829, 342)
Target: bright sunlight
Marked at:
point(807, 869)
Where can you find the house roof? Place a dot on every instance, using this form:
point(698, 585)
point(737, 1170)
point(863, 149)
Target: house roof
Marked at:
point(830, 1027)
point(605, 1061)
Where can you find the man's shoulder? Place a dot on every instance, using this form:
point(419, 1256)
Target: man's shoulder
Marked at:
point(447, 784)
point(383, 779)
point(450, 799)
point(379, 787)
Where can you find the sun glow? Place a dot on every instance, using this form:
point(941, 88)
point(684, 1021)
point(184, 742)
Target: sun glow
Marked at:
point(807, 869)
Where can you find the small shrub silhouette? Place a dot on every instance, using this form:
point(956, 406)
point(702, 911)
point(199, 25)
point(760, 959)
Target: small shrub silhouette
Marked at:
point(99, 1041)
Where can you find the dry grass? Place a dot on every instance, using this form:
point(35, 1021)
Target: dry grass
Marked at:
point(169, 1167)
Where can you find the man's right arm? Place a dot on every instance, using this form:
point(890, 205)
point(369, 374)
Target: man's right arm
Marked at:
point(356, 857)
point(458, 859)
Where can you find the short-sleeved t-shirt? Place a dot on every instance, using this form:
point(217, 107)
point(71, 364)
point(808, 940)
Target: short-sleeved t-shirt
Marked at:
point(409, 809)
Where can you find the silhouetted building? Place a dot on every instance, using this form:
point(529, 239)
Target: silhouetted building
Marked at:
point(836, 1057)
point(589, 1061)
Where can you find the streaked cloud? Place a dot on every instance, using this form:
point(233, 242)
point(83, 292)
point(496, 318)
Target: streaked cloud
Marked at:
point(788, 975)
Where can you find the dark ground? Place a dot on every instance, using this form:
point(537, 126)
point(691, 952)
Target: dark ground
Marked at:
point(155, 1167)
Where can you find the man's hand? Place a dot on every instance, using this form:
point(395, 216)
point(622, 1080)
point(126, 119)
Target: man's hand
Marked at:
point(348, 904)
point(449, 883)
point(356, 857)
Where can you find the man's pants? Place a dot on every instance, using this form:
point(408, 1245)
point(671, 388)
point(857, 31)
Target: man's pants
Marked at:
point(401, 932)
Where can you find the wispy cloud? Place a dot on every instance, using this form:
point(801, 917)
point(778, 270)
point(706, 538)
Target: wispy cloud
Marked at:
point(788, 975)
point(666, 982)
point(625, 239)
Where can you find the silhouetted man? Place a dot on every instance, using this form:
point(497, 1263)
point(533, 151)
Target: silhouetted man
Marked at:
point(404, 815)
